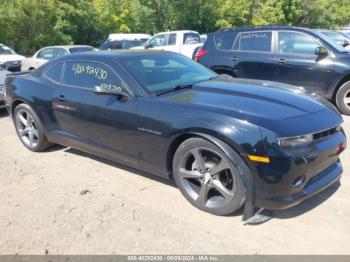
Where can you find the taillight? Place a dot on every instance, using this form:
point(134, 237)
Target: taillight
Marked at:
point(341, 148)
point(200, 53)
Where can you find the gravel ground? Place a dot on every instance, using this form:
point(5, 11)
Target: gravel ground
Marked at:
point(67, 202)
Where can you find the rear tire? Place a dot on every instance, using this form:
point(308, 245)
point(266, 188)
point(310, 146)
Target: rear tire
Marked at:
point(30, 129)
point(207, 178)
point(343, 98)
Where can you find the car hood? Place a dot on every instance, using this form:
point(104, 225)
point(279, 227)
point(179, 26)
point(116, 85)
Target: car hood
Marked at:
point(6, 58)
point(268, 105)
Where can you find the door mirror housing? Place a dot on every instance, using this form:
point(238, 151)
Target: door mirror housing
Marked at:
point(346, 43)
point(321, 51)
point(111, 90)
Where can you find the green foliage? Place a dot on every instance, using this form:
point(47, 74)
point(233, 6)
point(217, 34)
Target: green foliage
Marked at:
point(28, 25)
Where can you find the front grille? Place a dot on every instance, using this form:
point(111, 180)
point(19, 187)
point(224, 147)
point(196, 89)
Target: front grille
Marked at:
point(326, 133)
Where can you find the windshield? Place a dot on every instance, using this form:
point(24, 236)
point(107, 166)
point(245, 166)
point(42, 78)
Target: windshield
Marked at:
point(4, 50)
point(160, 72)
point(335, 39)
point(80, 49)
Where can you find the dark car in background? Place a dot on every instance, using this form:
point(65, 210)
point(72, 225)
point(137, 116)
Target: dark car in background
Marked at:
point(226, 142)
point(297, 56)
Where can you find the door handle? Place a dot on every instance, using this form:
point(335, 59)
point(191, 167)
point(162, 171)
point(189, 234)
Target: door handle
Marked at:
point(282, 61)
point(62, 98)
point(234, 59)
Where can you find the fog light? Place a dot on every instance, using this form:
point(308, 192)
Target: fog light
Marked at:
point(298, 181)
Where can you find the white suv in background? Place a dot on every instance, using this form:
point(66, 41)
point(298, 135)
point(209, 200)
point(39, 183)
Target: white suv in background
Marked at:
point(184, 42)
point(9, 59)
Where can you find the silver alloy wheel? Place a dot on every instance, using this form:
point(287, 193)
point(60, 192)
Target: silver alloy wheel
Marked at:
point(27, 129)
point(347, 99)
point(207, 177)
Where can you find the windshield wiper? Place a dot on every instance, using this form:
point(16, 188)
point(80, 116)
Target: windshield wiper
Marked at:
point(175, 88)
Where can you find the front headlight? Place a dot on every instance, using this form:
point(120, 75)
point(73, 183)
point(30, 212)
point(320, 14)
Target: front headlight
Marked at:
point(295, 141)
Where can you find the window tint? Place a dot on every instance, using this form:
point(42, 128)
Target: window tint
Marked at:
point(4, 50)
point(89, 75)
point(47, 54)
point(55, 72)
point(296, 43)
point(254, 42)
point(80, 49)
point(172, 39)
point(192, 38)
point(224, 41)
point(161, 72)
point(157, 41)
point(60, 52)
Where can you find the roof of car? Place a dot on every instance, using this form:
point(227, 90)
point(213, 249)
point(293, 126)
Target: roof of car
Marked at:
point(113, 54)
point(66, 46)
point(263, 27)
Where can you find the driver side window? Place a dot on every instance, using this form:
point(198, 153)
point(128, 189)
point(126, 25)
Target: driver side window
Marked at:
point(47, 54)
point(90, 74)
point(296, 43)
point(157, 41)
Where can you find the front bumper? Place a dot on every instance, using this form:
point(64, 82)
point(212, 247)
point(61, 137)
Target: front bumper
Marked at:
point(13, 66)
point(317, 164)
point(317, 184)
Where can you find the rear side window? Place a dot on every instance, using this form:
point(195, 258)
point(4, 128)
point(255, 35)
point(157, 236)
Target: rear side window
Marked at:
point(55, 73)
point(47, 54)
point(254, 42)
point(191, 38)
point(224, 41)
point(89, 74)
point(172, 39)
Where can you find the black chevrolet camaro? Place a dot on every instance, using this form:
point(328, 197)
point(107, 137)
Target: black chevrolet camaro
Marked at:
point(226, 142)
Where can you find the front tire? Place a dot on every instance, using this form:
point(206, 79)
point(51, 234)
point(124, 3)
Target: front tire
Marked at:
point(29, 128)
point(343, 98)
point(207, 178)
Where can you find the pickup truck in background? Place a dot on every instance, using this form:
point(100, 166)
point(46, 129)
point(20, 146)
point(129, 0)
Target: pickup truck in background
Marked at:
point(184, 42)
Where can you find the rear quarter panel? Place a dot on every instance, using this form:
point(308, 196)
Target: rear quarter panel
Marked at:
point(37, 92)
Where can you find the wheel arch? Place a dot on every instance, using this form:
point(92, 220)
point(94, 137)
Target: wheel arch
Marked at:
point(227, 146)
point(345, 79)
point(15, 103)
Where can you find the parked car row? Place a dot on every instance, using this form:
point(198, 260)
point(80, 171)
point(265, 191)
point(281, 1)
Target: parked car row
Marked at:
point(227, 142)
point(317, 60)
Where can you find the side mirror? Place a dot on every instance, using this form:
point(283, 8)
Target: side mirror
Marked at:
point(321, 51)
point(145, 46)
point(111, 90)
point(346, 43)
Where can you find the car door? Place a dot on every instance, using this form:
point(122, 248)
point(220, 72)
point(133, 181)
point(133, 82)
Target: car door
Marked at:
point(94, 122)
point(298, 64)
point(252, 55)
